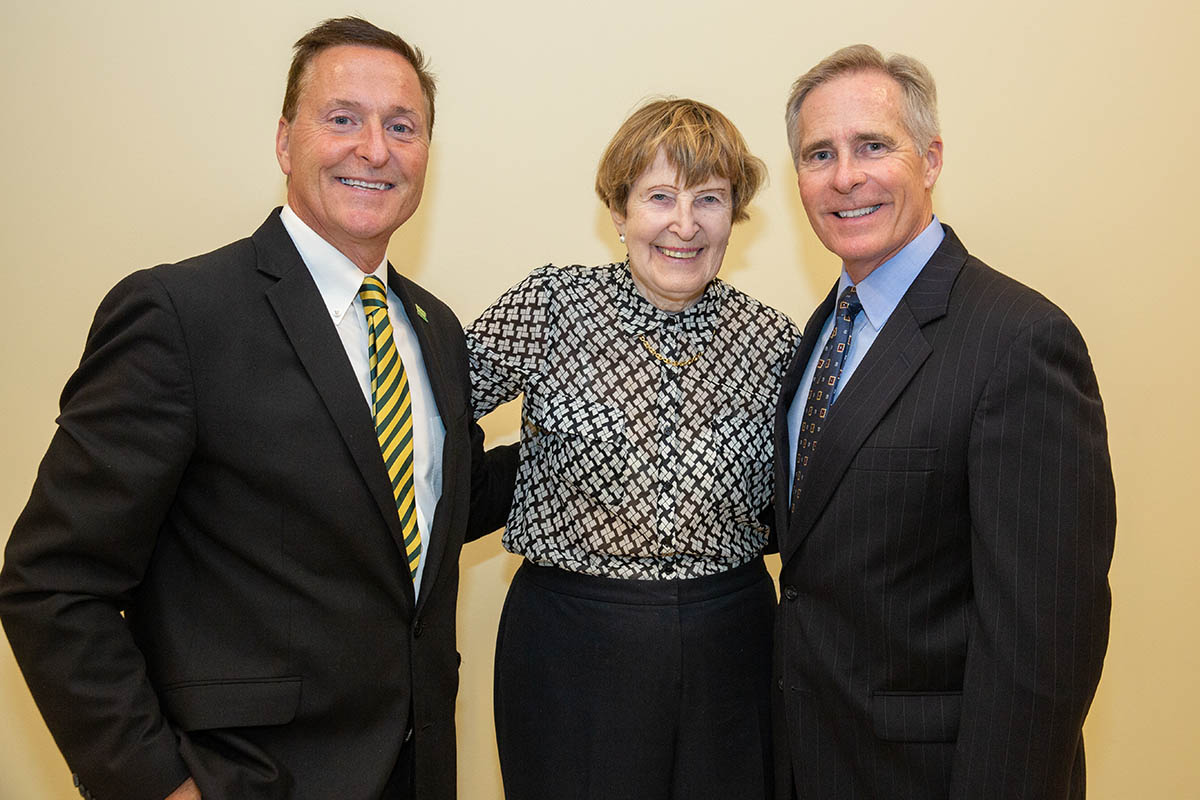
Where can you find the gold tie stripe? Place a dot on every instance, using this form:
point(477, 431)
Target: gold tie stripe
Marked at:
point(392, 405)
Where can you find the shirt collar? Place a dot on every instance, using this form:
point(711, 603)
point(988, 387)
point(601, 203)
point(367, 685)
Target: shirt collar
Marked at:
point(637, 315)
point(338, 279)
point(882, 290)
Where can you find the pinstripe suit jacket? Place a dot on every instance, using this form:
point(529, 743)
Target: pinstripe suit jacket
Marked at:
point(944, 596)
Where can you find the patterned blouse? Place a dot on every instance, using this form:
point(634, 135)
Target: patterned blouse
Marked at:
point(632, 467)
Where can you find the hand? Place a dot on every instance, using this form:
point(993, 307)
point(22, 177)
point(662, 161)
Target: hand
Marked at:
point(188, 790)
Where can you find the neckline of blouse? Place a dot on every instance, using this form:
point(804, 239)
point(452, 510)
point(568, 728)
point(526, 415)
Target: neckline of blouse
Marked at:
point(637, 315)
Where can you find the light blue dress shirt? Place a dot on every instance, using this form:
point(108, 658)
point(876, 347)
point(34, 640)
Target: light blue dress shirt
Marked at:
point(880, 293)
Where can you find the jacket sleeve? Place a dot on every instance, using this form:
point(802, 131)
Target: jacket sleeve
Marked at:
point(493, 477)
point(81, 546)
point(1043, 517)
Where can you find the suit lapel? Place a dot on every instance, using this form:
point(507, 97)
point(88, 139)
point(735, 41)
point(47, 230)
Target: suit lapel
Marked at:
point(427, 338)
point(884, 372)
point(305, 320)
point(443, 393)
point(887, 368)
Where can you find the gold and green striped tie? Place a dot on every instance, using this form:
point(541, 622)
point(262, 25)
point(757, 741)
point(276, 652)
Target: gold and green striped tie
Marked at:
point(392, 405)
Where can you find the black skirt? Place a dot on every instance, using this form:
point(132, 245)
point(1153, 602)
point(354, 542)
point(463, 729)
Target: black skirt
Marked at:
point(609, 688)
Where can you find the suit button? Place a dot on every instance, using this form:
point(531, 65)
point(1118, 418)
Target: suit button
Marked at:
point(417, 629)
point(779, 683)
point(790, 592)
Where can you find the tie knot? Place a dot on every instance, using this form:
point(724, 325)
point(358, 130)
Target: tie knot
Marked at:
point(373, 294)
point(848, 304)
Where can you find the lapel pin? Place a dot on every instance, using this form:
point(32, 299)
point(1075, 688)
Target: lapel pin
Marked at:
point(421, 312)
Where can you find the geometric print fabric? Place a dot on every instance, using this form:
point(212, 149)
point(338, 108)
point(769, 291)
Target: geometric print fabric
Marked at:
point(392, 406)
point(824, 383)
point(631, 467)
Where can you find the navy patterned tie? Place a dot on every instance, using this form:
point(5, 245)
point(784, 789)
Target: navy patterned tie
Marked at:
point(829, 369)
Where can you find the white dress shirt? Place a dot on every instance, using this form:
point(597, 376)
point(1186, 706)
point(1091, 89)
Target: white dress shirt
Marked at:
point(338, 280)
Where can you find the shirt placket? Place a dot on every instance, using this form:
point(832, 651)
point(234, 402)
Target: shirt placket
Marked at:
point(670, 400)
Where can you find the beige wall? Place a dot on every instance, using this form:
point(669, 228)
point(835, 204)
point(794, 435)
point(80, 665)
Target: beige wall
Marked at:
point(136, 134)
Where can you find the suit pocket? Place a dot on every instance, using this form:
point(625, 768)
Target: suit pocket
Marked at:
point(896, 459)
point(916, 716)
point(204, 705)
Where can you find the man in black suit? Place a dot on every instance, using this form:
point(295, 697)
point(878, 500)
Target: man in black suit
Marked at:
point(209, 592)
point(945, 499)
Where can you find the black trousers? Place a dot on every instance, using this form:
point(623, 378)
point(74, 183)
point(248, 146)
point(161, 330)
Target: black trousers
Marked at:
point(609, 689)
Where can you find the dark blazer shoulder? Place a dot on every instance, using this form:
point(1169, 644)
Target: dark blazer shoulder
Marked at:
point(957, 283)
point(976, 275)
point(260, 258)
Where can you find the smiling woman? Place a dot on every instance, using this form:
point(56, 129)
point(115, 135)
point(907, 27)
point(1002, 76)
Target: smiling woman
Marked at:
point(645, 466)
point(676, 234)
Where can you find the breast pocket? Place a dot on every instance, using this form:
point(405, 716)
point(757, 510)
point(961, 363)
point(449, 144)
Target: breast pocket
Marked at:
point(896, 459)
point(582, 444)
point(739, 451)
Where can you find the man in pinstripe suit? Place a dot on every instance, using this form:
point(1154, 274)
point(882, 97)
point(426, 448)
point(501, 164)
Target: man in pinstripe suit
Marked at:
point(945, 507)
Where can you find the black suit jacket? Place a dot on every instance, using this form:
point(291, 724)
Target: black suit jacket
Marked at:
point(945, 602)
point(209, 577)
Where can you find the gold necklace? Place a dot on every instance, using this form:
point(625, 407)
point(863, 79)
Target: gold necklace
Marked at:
point(646, 343)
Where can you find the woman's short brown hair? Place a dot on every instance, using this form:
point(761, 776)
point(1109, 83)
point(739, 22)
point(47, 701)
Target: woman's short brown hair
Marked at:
point(696, 139)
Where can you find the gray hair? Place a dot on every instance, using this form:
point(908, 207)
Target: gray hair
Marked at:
point(919, 115)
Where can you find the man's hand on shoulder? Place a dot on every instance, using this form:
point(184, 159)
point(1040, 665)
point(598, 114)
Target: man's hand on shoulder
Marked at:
point(188, 790)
